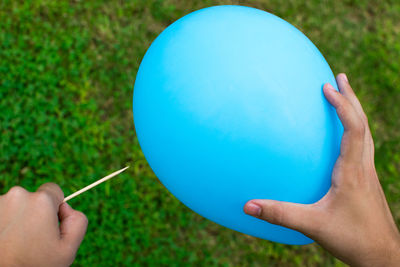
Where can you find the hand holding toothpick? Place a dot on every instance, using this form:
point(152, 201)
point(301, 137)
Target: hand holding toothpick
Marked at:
point(94, 184)
point(54, 229)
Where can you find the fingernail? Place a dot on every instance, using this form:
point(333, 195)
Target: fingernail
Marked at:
point(253, 209)
point(329, 87)
point(345, 77)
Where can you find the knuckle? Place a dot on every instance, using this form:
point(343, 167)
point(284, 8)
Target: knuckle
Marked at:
point(342, 108)
point(54, 185)
point(277, 214)
point(359, 129)
point(16, 191)
point(43, 197)
point(356, 180)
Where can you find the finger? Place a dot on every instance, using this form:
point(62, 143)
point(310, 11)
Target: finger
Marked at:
point(354, 130)
point(301, 217)
point(53, 192)
point(73, 225)
point(346, 90)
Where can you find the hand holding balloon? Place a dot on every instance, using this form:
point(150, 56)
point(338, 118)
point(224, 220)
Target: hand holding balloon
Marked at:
point(228, 107)
point(353, 220)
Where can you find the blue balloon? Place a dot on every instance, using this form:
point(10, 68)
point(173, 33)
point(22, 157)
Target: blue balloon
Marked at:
point(228, 107)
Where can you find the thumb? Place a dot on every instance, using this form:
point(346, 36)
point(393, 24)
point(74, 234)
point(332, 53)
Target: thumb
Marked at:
point(304, 218)
point(73, 226)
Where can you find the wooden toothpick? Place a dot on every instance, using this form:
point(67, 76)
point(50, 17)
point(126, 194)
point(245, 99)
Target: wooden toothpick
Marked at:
point(94, 184)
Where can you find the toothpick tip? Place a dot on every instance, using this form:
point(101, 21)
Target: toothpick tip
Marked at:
point(95, 184)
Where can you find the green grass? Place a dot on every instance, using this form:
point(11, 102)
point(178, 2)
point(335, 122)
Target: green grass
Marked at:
point(67, 70)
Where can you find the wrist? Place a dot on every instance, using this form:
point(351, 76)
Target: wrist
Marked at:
point(386, 254)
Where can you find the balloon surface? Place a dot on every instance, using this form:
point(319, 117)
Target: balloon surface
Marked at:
point(228, 107)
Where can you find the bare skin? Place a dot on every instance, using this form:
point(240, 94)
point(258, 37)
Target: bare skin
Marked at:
point(353, 220)
point(38, 229)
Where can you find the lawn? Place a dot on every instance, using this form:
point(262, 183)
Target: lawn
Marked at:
point(67, 70)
